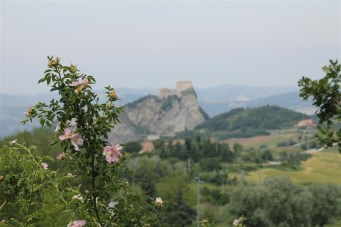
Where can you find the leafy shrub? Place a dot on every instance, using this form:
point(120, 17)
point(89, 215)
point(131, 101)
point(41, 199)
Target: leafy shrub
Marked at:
point(100, 193)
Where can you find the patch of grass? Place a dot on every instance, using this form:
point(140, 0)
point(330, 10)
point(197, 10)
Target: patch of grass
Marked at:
point(323, 167)
point(334, 149)
point(336, 223)
point(270, 140)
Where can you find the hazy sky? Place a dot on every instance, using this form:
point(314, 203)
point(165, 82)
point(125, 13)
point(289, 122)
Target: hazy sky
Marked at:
point(155, 43)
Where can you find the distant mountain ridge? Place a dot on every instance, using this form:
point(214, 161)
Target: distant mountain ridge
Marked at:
point(239, 93)
point(214, 101)
point(290, 100)
point(12, 110)
point(235, 96)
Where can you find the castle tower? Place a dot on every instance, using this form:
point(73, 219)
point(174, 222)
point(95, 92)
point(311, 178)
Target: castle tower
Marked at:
point(180, 87)
point(183, 85)
point(164, 93)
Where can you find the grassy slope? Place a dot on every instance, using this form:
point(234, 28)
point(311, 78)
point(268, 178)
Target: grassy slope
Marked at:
point(334, 224)
point(270, 140)
point(323, 167)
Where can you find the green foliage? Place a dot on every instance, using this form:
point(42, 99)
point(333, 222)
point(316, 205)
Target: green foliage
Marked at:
point(286, 143)
point(326, 203)
point(237, 148)
point(210, 164)
point(276, 203)
point(148, 172)
point(190, 134)
point(196, 150)
point(40, 138)
point(219, 178)
point(219, 122)
point(159, 143)
point(256, 156)
point(132, 147)
point(27, 188)
point(168, 186)
point(177, 212)
point(215, 196)
point(292, 159)
point(326, 96)
point(203, 112)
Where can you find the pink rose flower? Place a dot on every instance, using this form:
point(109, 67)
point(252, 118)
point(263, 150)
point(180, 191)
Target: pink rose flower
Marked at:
point(44, 165)
point(84, 81)
point(67, 134)
point(111, 153)
point(76, 140)
point(29, 112)
point(80, 84)
point(158, 201)
point(78, 223)
point(61, 156)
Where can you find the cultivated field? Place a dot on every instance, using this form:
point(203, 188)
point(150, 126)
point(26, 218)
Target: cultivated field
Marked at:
point(272, 140)
point(323, 167)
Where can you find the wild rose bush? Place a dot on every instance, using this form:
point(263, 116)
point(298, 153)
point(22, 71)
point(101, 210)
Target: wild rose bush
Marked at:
point(95, 192)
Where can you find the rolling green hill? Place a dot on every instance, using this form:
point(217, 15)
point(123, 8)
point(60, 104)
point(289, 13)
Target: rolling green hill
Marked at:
point(250, 122)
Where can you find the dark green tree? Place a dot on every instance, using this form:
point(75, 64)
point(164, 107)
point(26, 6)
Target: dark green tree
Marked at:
point(290, 204)
point(178, 212)
point(326, 204)
point(148, 186)
point(210, 164)
point(148, 171)
point(237, 148)
point(267, 155)
point(252, 202)
point(132, 147)
point(158, 144)
point(226, 154)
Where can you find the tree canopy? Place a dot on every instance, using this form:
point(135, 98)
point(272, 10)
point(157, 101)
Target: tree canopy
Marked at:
point(326, 95)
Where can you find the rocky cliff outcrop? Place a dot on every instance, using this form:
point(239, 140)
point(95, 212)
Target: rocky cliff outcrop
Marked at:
point(158, 115)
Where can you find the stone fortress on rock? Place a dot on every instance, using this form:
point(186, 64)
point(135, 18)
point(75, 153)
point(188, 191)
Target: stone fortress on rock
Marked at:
point(174, 110)
point(180, 87)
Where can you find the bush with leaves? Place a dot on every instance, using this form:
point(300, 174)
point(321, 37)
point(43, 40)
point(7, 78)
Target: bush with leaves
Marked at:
point(84, 121)
point(26, 184)
point(279, 202)
point(326, 97)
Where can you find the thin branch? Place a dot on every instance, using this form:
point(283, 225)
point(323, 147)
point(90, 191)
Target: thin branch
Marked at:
point(93, 177)
point(3, 204)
